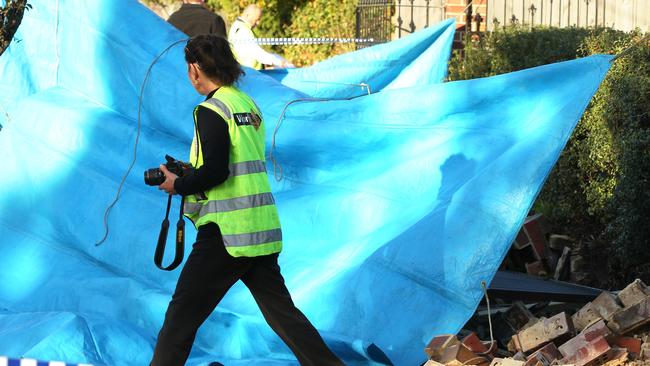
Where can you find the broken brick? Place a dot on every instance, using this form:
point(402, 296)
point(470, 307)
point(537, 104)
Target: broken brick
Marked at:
point(563, 267)
point(545, 355)
point(474, 344)
point(536, 269)
point(585, 316)
point(506, 362)
point(606, 305)
point(437, 344)
point(533, 234)
point(544, 331)
point(633, 345)
point(492, 348)
point(559, 242)
point(521, 241)
point(596, 330)
point(519, 257)
point(519, 356)
point(590, 347)
point(534, 227)
point(587, 353)
point(633, 293)
point(631, 317)
point(591, 333)
point(459, 354)
point(433, 363)
point(518, 316)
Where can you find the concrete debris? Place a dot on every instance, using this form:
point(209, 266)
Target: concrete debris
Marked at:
point(544, 331)
point(559, 242)
point(563, 267)
point(585, 316)
point(539, 253)
point(606, 305)
point(631, 317)
point(633, 293)
point(602, 332)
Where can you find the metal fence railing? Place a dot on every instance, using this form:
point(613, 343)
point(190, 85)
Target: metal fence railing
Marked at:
point(619, 14)
point(374, 20)
point(383, 20)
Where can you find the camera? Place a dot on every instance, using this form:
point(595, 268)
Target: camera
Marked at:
point(155, 176)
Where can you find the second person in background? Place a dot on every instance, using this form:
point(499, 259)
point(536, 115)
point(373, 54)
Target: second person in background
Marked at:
point(244, 44)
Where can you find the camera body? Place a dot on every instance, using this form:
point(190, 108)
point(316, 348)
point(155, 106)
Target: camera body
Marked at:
point(155, 176)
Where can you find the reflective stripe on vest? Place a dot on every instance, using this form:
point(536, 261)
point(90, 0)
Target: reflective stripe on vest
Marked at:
point(221, 106)
point(243, 206)
point(247, 167)
point(232, 204)
point(260, 237)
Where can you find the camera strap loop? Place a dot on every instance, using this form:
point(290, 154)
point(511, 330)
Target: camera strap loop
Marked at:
point(162, 239)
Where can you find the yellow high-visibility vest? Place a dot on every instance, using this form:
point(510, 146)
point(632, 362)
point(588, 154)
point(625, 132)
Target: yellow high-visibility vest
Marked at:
point(243, 205)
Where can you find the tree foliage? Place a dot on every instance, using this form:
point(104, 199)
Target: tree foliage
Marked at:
point(321, 18)
point(598, 191)
point(11, 15)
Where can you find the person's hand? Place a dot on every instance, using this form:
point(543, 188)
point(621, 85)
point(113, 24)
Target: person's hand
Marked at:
point(168, 184)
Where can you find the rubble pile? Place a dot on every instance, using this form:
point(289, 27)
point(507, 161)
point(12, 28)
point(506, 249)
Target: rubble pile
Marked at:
point(604, 331)
point(539, 253)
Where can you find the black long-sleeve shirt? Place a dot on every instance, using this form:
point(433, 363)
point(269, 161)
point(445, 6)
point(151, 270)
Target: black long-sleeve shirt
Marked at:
point(215, 145)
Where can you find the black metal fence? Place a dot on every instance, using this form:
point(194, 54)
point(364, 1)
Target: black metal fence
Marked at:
point(375, 21)
point(383, 20)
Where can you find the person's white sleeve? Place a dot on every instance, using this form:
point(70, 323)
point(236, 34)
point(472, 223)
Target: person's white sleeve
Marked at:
point(247, 49)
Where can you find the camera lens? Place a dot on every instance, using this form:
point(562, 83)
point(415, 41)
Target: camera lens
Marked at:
point(154, 177)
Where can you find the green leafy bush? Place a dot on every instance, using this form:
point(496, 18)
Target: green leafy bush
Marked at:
point(515, 48)
point(321, 18)
point(598, 192)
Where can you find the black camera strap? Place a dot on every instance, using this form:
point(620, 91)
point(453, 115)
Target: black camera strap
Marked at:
point(162, 239)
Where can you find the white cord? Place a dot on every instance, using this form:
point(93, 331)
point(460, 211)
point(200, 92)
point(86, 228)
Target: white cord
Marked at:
point(137, 139)
point(487, 300)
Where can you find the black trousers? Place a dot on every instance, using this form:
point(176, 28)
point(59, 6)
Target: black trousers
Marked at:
point(206, 277)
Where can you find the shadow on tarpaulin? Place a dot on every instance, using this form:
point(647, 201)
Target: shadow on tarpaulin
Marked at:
point(395, 206)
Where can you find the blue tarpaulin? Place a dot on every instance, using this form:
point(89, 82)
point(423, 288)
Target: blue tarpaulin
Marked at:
point(395, 206)
point(418, 59)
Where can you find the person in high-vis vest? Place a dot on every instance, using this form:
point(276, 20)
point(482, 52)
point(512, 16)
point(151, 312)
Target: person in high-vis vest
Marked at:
point(244, 45)
point(229, 200)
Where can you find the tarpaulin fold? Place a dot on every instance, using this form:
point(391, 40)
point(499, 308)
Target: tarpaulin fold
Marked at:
point(417, 59)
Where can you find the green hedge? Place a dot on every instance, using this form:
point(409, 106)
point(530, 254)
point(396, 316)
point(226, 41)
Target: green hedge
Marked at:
point(598, 192)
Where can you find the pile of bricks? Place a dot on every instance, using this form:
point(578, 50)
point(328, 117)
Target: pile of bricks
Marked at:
point(604, 331)
point(539, 253)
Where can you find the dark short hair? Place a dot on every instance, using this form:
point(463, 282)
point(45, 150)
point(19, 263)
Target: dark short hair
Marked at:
point(215, 58)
